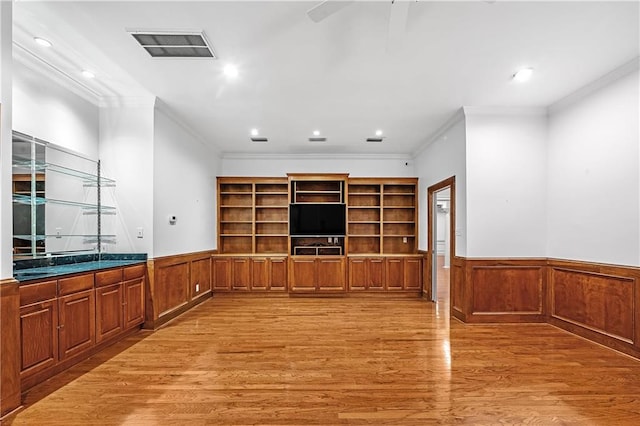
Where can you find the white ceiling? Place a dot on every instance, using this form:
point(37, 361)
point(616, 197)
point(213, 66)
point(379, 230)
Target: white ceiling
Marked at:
point(343, 75)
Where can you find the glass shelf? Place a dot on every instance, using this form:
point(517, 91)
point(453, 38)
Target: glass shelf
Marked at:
point(90, 180)
point(70, 185)
point(44, 237)
point(27, 200)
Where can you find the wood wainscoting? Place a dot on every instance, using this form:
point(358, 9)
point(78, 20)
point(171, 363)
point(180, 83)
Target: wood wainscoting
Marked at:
point(9, 346)
point(175, 284)
point(596, 301)
point(498, 290)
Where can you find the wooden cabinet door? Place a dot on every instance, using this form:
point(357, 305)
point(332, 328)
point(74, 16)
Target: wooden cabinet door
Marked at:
point(200, 277)
point(221, 271)
point(358, 276)
point(395, 273)
point(39, 337)
point(241, 274)
point(259, 274)
point(375, 273)
point(133, 311)
point(76, 320)
point(109, 308)
point(278, 274)
point(413, 274)
point(303, 275)
point(331, 274)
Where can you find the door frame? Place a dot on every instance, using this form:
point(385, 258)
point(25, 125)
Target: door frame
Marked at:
point(431, 190)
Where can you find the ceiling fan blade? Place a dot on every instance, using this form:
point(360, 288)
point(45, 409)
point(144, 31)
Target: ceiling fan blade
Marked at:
point(326, 8)
point(398, 14)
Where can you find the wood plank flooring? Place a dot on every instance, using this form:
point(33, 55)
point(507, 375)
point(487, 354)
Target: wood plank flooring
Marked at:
point(330, 361)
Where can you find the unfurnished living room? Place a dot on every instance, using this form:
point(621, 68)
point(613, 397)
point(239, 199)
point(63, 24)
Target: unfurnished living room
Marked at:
point(319, 212)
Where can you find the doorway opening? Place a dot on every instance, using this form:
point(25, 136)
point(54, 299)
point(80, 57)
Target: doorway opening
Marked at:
point(441, 236)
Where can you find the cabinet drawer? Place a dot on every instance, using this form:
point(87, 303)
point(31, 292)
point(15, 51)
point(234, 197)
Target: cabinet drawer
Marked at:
point(75, 284)
point(111, 276)
point(33, 293)
point(135, 271)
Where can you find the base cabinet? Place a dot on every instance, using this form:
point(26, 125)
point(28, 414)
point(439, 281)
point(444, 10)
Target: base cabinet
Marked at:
point(63, 321)
point(221, 272)
point(39, 337)
point(76, 322)
point(384, 273)
point(366, 274)
point(404, 273)
point(317, 274)
point(322, 274)
point(268, 274)
point(244, 274)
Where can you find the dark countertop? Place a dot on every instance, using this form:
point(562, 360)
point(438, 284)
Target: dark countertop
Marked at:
point(37, 270)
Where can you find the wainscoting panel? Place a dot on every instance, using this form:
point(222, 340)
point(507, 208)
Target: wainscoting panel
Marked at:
point(603, 303)
point(599, 302)
point(174, 280)
point(175, 284)
point(457, 288)
point(505, 290)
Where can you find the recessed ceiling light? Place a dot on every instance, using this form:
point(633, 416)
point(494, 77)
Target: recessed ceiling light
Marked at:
point(254, 132)
point(231, 70)
point(88, 74)
point(42, 42)
point(523, 75)
point(378, 132)
point(316, 133)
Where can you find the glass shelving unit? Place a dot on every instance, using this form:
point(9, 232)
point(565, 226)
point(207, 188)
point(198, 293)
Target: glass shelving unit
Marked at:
point(57, 200)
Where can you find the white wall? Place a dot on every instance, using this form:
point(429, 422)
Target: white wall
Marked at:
point(280, 165)
point(184, 186)
point(126, 151)
point(594, 181)
point(506, 182)
point(44, 109)
point(445, 157)
point(6, 206)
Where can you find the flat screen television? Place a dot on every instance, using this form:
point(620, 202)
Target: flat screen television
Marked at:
point(317, 219)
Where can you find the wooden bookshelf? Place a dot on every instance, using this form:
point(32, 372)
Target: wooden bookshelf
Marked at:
point(399, 217)
point(382, 216)
point(253, 215)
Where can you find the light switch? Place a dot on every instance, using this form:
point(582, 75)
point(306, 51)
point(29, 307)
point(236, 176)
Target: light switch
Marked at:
point(140, 232)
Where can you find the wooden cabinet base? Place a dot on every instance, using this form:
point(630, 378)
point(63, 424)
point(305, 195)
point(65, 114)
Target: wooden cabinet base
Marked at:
point(27, 382)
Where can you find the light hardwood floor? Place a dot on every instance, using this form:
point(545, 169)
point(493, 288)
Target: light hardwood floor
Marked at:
point(328, 361)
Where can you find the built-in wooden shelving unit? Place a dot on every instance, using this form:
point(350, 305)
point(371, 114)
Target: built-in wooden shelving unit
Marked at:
point(375, 248)
point(253, 215)
point(382, 216)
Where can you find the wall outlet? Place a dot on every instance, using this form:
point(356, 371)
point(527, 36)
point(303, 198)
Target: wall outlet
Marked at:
point(197, 288)
point(140, 232)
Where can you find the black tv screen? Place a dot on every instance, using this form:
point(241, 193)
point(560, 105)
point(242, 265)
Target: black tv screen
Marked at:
point(317, 219)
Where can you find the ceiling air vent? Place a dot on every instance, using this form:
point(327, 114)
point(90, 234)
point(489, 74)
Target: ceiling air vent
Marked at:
point(375, 139)
point(259, 139)
point(317, 139)
point(174, 44)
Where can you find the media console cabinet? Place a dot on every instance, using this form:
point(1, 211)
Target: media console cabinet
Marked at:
point(317, 233)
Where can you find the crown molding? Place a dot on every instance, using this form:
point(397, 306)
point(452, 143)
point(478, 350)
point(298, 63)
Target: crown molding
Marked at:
point(470, 111)
point(127, 101)
point(316, 156)
point(451, 121)
point(622, 71)
point(35, 63)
